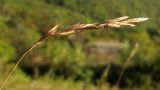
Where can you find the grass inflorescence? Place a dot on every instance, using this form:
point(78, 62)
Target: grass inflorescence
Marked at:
point(77, 28)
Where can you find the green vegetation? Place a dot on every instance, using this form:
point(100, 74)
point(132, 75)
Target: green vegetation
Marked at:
point(69, 61)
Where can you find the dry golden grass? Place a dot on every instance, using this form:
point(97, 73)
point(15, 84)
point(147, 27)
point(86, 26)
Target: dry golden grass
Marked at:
point(76, 28)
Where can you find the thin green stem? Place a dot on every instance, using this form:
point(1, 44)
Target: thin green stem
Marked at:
point(126, 63)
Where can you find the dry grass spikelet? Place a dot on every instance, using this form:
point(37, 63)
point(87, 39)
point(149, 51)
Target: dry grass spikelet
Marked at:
point(76, 28)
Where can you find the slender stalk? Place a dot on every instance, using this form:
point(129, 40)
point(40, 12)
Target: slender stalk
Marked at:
point(47, 35)
point(126, 63)
point(105, 74)
point(17, 65)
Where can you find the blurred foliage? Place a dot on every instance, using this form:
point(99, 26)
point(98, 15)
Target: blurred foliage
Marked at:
point(22, 22)
point(10, 54)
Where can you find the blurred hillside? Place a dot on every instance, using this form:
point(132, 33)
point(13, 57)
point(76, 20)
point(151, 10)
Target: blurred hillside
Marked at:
point(85, 56)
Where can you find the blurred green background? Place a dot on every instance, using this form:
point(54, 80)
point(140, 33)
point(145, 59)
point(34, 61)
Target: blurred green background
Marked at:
point(90, 60)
